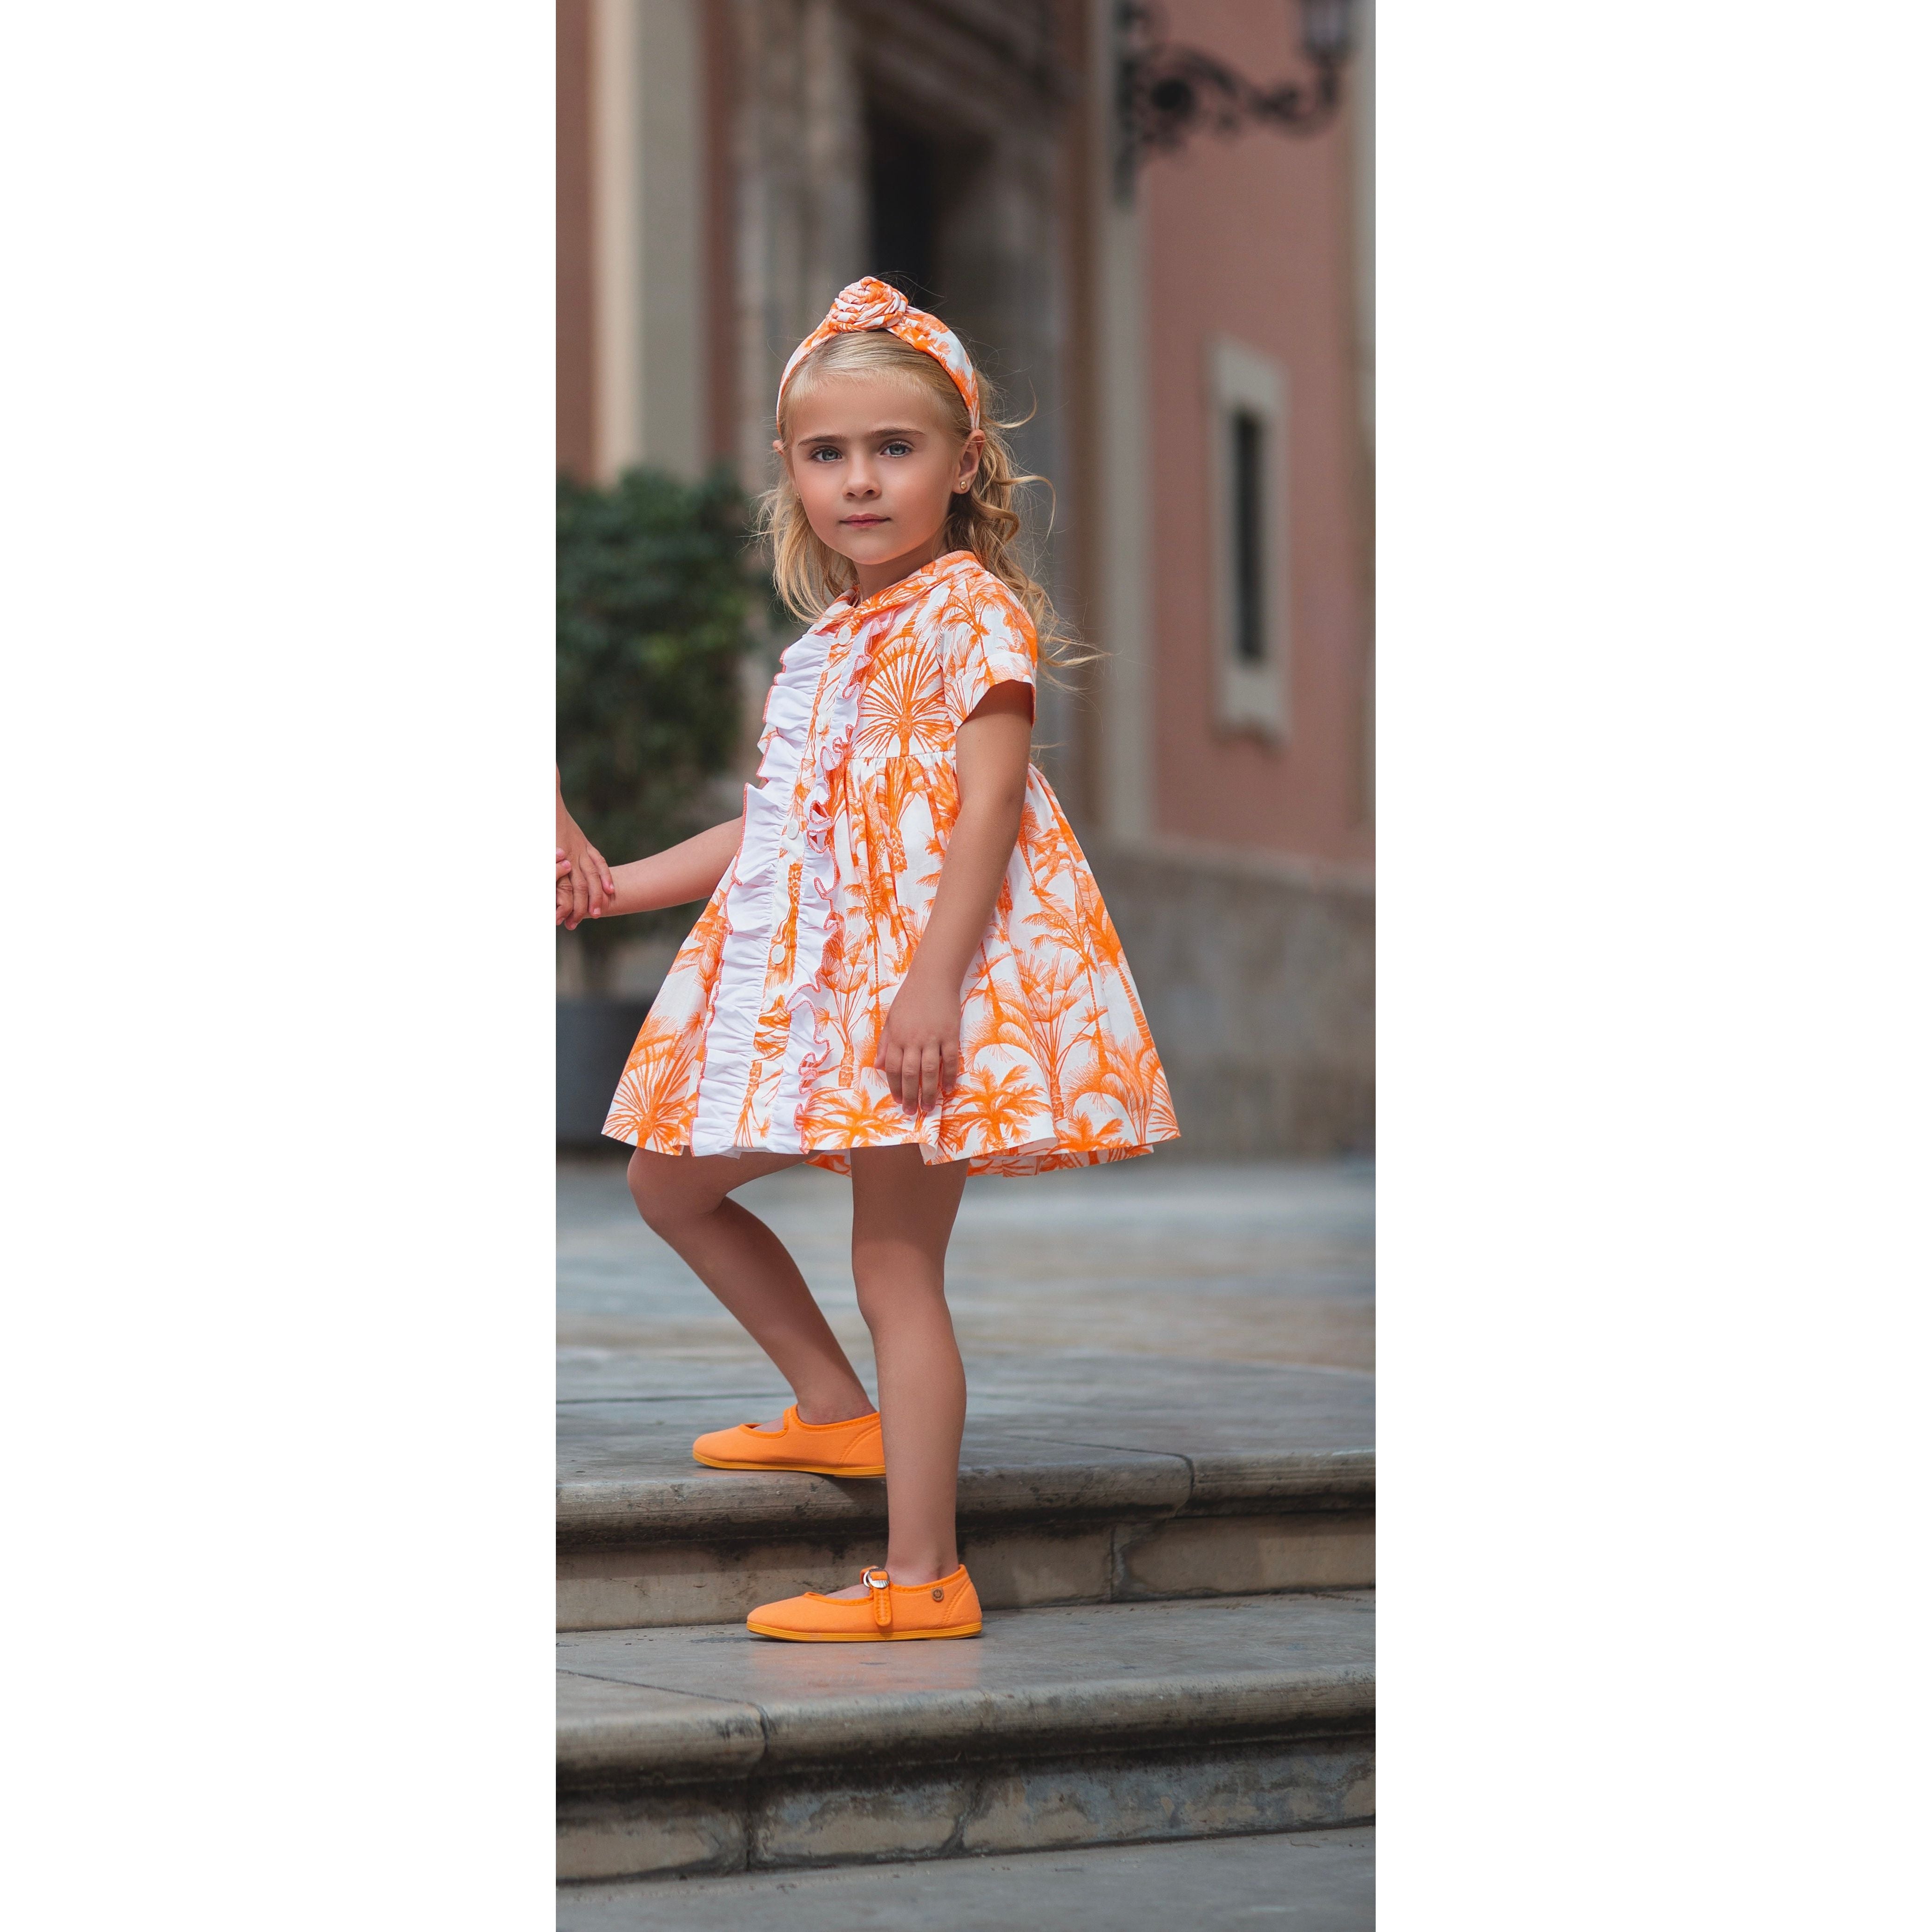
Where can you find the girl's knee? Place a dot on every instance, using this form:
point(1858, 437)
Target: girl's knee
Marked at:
point(656, 1187)
point(871, 1287)
point(887, 1287)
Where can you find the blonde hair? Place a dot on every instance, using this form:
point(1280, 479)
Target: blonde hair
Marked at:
point(810, 575)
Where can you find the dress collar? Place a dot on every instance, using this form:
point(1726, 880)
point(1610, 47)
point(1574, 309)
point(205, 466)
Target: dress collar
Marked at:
point(915, 585)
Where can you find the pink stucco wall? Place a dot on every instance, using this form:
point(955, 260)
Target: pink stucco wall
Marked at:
point(1250, 238)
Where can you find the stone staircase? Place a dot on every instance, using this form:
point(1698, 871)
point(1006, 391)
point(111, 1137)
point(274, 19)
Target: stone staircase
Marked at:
point(1177, 1563)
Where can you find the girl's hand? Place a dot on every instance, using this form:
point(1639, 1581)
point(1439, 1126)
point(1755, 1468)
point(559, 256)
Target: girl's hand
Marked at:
point(570, 894)
point(592, 889)
point(918, 1049)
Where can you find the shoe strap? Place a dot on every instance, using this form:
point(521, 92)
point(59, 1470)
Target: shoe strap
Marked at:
point(880, 1585)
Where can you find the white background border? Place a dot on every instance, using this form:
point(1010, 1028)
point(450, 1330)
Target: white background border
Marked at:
point(278, 609)
point(1653, 446)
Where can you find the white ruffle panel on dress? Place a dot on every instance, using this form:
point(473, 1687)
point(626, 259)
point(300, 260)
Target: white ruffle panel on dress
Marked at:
point(747, 1093)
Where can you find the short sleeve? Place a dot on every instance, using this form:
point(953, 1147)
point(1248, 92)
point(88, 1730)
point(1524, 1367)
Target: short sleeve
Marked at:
point(989, 640)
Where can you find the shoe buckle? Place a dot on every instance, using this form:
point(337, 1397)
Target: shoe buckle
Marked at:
point(880, 1584)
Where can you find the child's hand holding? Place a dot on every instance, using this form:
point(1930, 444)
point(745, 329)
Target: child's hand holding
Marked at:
point(571, 896)
point(580, 870)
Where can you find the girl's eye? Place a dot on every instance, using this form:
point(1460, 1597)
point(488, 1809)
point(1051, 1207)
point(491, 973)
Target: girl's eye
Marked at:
point(823, 455)
point(895, 447)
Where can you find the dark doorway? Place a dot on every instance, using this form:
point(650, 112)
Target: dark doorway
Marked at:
point(904, 167)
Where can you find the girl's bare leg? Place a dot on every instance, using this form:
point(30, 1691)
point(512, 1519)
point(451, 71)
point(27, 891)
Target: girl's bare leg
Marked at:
point(902, 1215)
point(686, 1199)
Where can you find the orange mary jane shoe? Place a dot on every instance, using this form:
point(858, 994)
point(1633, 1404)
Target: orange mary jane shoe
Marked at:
point(889, 1612)
point(850, 1448)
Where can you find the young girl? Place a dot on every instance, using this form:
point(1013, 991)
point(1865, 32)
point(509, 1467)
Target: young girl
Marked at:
point(905, 971)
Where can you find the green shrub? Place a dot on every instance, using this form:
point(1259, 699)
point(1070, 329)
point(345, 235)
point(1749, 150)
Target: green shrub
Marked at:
point(654, 592)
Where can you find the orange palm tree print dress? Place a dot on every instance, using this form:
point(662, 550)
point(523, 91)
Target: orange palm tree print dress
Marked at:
point(764, 1034)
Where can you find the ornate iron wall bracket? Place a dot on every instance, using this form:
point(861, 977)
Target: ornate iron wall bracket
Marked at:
point(1165, 92)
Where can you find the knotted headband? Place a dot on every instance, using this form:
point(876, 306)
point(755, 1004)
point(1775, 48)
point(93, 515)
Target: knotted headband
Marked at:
point(869, 303)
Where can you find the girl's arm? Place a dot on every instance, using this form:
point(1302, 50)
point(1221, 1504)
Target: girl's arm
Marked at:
point(674, 876)
point(919, 1048)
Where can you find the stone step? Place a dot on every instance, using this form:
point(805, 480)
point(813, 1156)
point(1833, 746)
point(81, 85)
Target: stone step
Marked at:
point(701, 1749)
point(1321, 1881)
point(1096, 1481)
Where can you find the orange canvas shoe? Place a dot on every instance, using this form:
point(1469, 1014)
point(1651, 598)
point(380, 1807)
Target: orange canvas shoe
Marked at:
point(889, 1612)
point(849, 1448)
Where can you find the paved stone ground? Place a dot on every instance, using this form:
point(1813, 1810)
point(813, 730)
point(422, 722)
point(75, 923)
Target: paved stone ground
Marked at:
point(1199, 1262)
point(1307, 1881)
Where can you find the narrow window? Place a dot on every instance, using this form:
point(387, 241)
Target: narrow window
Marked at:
point(1247, 445)
point(1250, 618)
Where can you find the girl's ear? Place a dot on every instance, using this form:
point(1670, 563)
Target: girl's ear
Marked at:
point(970, 451)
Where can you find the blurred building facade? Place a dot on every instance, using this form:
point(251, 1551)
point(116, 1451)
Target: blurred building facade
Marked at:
point(1193, 338)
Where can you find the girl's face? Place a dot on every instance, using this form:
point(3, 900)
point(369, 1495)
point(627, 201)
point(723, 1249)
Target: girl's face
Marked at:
point(875, 463)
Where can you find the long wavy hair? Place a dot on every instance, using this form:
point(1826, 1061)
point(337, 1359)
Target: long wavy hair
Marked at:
point(810, 575)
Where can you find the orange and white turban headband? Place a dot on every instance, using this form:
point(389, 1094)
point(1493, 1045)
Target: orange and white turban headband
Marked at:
point(875, 304)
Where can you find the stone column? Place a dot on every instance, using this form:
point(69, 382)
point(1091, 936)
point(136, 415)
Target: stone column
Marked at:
point(647, 153)
point(801, 199)
point(672, 236)
point(616, 139)
point(1118, 366)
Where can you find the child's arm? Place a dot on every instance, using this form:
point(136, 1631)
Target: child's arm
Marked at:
point(919, 1048)
point(674, 876)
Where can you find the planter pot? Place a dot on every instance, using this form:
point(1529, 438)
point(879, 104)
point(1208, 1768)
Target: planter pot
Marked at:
point(594, 1037)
